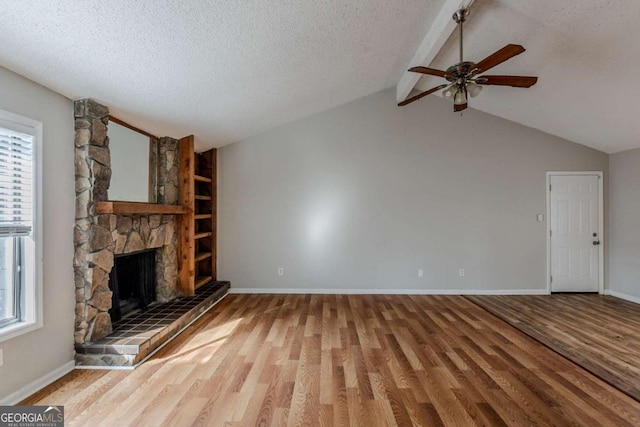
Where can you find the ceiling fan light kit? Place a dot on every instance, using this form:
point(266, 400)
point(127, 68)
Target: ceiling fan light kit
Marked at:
point(464, 77)
point(474, 89)
point(449, 92)
point(460, 97)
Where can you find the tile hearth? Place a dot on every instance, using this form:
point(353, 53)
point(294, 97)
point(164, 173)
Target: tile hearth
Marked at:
point(136, 336)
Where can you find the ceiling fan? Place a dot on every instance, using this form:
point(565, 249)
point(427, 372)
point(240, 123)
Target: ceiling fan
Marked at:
point(464, 77)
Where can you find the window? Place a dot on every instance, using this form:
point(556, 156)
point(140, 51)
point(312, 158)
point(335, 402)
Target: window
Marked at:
point(11, 279)
point(20, 304)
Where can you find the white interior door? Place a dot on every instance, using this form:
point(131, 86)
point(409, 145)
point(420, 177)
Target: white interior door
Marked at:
point(575, 234)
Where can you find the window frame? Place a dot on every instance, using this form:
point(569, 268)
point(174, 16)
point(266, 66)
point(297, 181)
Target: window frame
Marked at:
point(17, 282)
point(31, 247)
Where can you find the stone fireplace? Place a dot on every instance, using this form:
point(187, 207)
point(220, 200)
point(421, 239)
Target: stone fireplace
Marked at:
point(98, 238)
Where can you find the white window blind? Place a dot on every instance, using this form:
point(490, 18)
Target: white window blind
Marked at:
point(16, 183)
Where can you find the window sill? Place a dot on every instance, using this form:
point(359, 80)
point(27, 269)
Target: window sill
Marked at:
point(16, 329)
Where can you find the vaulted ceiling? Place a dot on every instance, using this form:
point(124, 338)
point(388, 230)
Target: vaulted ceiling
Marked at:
point(224, 70)
point(586, 54)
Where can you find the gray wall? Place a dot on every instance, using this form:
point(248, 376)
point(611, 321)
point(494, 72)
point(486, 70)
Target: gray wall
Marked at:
point(363, 195)
point(29, 357)
point(624, 223)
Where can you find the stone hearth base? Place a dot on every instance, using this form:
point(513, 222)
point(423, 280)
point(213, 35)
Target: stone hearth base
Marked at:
point(136, 336)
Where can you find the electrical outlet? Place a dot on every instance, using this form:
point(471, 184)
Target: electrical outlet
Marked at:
point(1, 358)
point(461, 272)
point(420, 272)
point(280, 271)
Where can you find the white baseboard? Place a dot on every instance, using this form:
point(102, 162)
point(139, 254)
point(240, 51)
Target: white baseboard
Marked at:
point(620, 295)
point(388, 291)
point(38, 384)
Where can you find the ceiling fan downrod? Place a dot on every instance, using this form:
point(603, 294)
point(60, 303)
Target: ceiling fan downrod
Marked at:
point(460, 16)
point(460, 83)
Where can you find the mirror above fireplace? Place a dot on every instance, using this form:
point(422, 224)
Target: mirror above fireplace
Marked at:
point(133, 163)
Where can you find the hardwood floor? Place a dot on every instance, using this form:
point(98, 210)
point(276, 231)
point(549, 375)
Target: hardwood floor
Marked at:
point(345, 361)
point(599, 333)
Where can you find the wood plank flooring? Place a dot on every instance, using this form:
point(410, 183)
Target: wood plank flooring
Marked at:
point(274, 360)
point(599, 333)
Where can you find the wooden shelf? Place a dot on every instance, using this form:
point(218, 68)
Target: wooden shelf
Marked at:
point(202, 256)
point(202, 280)
point(196, 250)
point(115, 207)
point(204, 217)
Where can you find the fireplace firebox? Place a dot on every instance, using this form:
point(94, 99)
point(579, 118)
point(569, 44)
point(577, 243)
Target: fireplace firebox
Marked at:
point(133, 283)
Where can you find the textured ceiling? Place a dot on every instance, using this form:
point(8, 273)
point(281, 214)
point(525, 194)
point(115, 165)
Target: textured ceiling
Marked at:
point(227, 69)
point(586, 54)
point(220, 69)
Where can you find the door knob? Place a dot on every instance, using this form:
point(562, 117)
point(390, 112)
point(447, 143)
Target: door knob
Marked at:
point(596, 242)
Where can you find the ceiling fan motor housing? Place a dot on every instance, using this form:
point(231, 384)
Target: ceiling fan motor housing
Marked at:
point(460, 70)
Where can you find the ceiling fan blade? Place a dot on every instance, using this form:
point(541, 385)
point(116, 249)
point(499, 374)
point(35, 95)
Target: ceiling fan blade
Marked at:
point(421, 95)
point(514, 81)
point(460, 107)
point(429, 71)
point(498, 57)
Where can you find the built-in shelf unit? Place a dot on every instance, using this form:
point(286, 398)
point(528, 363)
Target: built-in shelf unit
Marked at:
point(197, 252)
point(204, 217)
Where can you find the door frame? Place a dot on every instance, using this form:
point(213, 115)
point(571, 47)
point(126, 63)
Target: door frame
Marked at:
point(600, 176)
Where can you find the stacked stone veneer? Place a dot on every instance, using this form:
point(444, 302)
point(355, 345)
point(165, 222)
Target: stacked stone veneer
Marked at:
point(98, 238)
point(167, 171)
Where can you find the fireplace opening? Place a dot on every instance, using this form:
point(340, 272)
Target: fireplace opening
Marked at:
point(133, 283)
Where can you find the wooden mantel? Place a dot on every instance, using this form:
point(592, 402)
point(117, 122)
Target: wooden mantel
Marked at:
point(115, 207)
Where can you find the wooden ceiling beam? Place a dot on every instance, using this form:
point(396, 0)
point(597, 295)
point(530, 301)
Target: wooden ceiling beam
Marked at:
point(436, 37)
